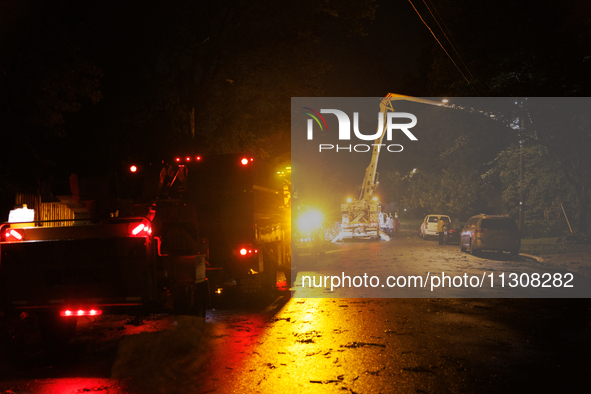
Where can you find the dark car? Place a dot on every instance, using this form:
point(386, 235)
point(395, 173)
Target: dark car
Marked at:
point(491, 232)
point(452, 231)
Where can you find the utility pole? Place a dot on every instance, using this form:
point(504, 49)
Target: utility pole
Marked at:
point(521, 168)
point(521, 214)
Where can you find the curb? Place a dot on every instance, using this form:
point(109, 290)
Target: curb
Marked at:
point(537, 258)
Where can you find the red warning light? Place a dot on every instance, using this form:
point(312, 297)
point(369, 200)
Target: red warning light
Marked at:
point(140, 230)
point(81, 312)
point(13, 235)
point(133, 168)
point(251, 159)
point(243, 252)
point(178, 159)
point(244, 161)
point(198, 158)
point(188, 159)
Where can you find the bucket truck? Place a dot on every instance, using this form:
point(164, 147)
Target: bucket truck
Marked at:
point(360, 218)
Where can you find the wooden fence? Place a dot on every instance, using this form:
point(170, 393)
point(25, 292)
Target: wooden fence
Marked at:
point(46, 210)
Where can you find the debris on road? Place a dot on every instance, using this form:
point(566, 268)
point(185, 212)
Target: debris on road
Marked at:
point(351, 345)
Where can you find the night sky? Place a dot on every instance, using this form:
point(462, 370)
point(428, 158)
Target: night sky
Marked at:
point(90, 86)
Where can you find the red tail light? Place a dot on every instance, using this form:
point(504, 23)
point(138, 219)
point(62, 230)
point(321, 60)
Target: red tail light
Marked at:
point(142, 229)
point(244, 161)
point(81, 312)
point(247, 251)
point(13, 235)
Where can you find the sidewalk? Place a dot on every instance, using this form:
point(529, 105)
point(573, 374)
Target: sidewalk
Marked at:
point(575, 258)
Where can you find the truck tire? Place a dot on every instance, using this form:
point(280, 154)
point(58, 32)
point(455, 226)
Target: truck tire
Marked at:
point(182, 299)
point(201, 299)
point(270, 266)
point(288, 280)
point(473, 252)
point(190, 300)
point(56, 330)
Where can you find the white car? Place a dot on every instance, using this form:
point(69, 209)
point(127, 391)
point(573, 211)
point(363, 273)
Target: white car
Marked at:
point(429, 225)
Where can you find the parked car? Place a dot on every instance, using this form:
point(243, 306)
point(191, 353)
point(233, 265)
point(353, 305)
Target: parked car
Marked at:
point(452, 231)
point(491, 232)
point(429, 226)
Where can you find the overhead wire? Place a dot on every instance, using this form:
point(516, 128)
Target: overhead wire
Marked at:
point(442, 47)
point(446, 37)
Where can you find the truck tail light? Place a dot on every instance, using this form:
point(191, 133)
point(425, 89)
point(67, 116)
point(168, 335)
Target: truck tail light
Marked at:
point(247, 251)
point(142, 229)
point(13, 235)
point(80, 312)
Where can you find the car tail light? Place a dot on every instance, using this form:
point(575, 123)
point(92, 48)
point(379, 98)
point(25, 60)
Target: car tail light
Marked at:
point(80, 312)
point(142, 229)
point(13, 235)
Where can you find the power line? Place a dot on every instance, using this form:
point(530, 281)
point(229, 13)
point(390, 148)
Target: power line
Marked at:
point(446, 37)
point(439, 42)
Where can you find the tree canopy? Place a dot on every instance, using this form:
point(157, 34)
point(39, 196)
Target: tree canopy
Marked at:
point(86, 85)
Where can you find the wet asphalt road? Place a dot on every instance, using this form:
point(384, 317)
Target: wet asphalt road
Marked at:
point(358, 345)
point(405, 345)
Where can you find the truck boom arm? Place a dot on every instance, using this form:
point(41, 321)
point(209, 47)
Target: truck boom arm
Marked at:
point(369, 181)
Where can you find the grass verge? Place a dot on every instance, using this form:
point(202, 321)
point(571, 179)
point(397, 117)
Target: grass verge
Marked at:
point(539, 246)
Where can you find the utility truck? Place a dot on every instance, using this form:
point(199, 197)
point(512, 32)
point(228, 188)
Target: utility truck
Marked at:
point(182, 221)
point(360, 217)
